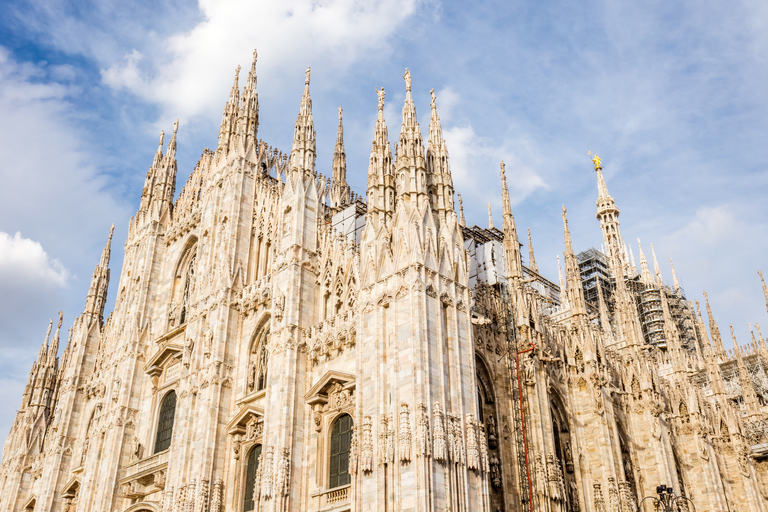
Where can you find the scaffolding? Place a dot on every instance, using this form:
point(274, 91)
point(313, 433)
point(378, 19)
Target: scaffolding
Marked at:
point(596, 275)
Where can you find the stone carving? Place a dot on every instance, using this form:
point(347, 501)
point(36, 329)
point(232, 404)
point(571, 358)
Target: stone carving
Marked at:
point(353, 452)
point(613, 494)
point(366, 449)
point(439, 449)
point(390, 441)
point(282, 481)
point(495, 466)
point(568, 454)
point(483, 449)
point(181, 499)
point(423, 443)
point(598, 493)
point(191, 496)
point(202, 496)
point(493, 440)
point(473, 451)
point(168, 500)
point(339, 397)
point(541, 476)
point(555, 478)
point(257, 479)
point(627, 497)
point(574, 497)
point(217, 493)
point(266, 475)
point(404, 440)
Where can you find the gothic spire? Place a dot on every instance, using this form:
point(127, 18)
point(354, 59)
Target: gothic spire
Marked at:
point(765, 289)
point(438, 169)
point(563, 294)
point(572, 274)
point(340, 188)
point(656, 269)
point(645, 272)
point(713, 329)
point(747, 388)
point(229, 116)
point(53, 350)
point(248, 118)
point(462, 220)
point(511, 241)
point(303, 149)
point(608, 215)
point(675, 282)
point(490, 216)
point(97, 292)
point(410, 163)
point(381, 186)
point(531, 258)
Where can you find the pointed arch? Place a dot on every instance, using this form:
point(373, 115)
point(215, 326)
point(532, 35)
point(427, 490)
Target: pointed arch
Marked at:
point(258, 356)
point(183, 281)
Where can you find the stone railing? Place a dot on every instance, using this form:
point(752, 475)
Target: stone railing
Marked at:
point(336, 495)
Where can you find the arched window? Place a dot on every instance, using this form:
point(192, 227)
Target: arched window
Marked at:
point(259, 361)
point(250, 477)
point(165, 422)
point(341, 439)
point(188, 280)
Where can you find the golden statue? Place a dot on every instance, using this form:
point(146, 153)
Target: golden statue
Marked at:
point(596, 160)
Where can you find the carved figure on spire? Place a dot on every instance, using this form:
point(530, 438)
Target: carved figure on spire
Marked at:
point(306, 81)
point(432, 93)
point(407, 77)
point(596, 160)
point(380, 93)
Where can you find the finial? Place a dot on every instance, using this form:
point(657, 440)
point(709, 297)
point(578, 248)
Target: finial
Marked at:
point(407, 77)
point(255, 55)
point(432, 93)
point(675, 282)
point(48, 333)
point(61, 319)
point(503, 170)
point(306, 81)
point(490, 217)
point(462, 220)
point(596, 160)
point(339, 113)
point(111, 230)
point(380, 93)
point(564, 212)
point(162, 138)
point(176, 126)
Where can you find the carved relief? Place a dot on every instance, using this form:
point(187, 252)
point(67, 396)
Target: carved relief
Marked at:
point(439, 449)
point(404, 441)
point(266, 475)
point(473, 451)
point(353, 452)
point(366, 449)
point(423, 443)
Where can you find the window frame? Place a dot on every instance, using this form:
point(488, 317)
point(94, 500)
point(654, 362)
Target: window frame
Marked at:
point(158, 418)
point(332, 426)
point(250, 452)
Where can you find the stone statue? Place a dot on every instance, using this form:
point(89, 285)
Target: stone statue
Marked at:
point(407, 77)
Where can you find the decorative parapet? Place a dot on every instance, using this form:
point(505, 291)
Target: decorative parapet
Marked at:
point(146, 476)
point(329, 338)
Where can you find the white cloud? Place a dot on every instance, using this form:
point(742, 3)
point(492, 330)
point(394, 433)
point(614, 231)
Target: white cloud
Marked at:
point(187, 79)
point(473, 156)
point(25, 259)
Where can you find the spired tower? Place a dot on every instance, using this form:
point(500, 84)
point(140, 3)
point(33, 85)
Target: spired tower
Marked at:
point(280, 343)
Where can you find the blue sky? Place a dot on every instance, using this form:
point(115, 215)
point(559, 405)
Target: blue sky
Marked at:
point(672, 96)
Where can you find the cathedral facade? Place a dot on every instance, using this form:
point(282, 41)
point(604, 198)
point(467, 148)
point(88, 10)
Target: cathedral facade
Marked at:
point(280, 343)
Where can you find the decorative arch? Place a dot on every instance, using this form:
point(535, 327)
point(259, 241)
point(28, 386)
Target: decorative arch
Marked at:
point(184, 280)
point(143, 506)
point(258, 357)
